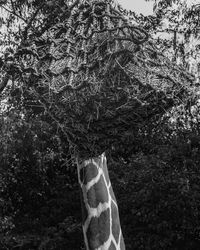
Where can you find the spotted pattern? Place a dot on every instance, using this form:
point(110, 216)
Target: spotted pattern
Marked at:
point(98, 193)
point(101, 224)
point(112, 246)
point(90, 172)
point(99, 230)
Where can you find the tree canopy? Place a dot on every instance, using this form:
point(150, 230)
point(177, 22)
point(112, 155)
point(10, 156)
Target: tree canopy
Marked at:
point(121, 91)
point(98, 75)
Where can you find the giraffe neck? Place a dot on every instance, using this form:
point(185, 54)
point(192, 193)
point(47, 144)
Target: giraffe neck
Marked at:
point(101, 224)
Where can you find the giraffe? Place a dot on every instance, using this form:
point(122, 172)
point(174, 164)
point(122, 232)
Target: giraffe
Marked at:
point(100, 216)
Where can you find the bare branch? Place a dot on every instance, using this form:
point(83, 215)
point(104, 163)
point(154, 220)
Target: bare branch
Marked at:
point(14, 13)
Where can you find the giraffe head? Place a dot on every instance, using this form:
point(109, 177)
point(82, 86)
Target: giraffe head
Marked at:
point(101, 224)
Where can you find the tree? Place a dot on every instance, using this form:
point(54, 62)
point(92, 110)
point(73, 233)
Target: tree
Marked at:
point(177, 32)
point(96, 75)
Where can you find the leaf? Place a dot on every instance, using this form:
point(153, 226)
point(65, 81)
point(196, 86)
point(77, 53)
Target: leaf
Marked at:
point(3, 2)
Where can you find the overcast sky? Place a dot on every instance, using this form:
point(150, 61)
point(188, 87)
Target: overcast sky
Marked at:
point(146, 8)
point(139, 6)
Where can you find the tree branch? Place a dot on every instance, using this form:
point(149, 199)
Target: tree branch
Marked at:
point(14, 13)
point(31, 20)
point(4, 82)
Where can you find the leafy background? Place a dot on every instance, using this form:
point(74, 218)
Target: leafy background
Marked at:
point(156, 181)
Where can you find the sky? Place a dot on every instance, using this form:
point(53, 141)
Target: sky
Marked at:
point(146, 8)
point(139, 6)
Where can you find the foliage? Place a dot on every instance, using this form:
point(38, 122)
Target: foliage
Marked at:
point(153, 164)
point(175, 26)
point(158, 187)
point(93, 71)
point(163, 205)
point(37, 185)
point(156, 183)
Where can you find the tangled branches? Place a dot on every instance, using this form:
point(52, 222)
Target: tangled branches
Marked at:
point(100, 76)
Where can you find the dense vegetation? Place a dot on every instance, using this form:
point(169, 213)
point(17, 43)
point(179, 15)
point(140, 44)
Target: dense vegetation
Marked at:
point(156, 184)
point(156, 178)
